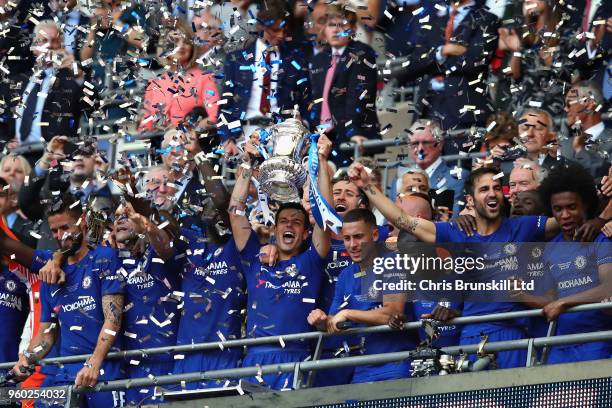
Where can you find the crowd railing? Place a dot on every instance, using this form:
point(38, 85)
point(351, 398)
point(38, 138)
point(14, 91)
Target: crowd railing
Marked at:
point(302, 368)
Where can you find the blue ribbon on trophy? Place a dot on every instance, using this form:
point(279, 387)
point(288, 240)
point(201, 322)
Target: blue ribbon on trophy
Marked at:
point(323, 213)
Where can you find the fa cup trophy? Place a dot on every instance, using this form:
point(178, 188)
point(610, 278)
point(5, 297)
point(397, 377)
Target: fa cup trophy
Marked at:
point(284, 172)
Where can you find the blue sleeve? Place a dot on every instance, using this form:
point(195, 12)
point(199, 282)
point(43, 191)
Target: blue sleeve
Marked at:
point(339, 292)
point(40, 259)
point(530, 228)
point(250, 252)
point(443, 231)
point(46, 308)
point(603, 248)
point(111, 281)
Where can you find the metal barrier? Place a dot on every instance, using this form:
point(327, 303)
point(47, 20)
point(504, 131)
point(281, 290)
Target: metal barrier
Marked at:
point(515, 344)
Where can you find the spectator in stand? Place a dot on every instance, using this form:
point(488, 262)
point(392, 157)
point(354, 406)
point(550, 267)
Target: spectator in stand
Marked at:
point(209, 42)
point(344, 76)
point(590, 145)
point(182, 86)
point(451, 57)
point(526, 175)
point(14, 169)
point(316, 28)
point(539, 66)
point(12, 216)
point(237, 25)
point(414, 180)
point(277, 81)
point(48, 102)
point(70, 19)
point(539, 138)
point(426, 144)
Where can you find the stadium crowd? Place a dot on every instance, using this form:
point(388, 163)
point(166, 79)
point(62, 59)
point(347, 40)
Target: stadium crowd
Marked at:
point(150, 248)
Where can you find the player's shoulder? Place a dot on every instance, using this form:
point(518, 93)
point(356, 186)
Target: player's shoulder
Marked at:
point(602, 238)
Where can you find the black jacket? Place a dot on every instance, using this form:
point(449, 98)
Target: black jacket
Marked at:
point(352, 97)
point(62, 109)
point(464, 100)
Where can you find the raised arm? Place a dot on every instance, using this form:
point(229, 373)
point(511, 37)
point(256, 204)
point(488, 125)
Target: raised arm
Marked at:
point(39, 346)
point(241, 227)
point(321, 238)
point(112, 307)
point(213, 185)
point(15, 250)
point(423, 230)
point(157, 237)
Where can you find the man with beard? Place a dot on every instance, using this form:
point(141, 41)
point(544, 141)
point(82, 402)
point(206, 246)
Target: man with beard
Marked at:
point(280, 297)
point(486, 190)
point(151, 317)
point(350, 303)
point(87, 305)
point(213, 286)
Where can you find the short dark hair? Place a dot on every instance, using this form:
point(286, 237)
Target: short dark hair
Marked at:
point(292, 206)
point(65, 203)
point(360, 214)
point(570, 178)
point(271, 12)
point(477, 174)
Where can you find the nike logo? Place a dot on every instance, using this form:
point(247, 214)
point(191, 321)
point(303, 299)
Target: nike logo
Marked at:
point(55, 291)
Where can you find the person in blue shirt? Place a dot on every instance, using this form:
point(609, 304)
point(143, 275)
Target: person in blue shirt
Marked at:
point(578, 273)
point(280, 297)
point(14, 311)
point(85, 310)
point(484, 186)
point(213, 289)
point(352, 304)
point(150, 313)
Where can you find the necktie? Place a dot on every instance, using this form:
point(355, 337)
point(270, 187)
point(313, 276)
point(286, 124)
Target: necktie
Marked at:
point(325, 111)
point(450, 25)
point(585, 16)
point(264, 103)
point(30, 109)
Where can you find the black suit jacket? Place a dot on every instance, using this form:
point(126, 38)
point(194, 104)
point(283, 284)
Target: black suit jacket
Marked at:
point(292, 88)
point(352, 97)
point(62, 109)
point(465, 76)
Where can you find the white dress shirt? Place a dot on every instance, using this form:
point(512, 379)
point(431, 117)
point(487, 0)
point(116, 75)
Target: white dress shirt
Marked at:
point(36, 132)
point(257, 85)
point(595, 131)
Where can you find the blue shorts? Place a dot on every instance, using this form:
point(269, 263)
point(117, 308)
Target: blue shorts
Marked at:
point(139, 396)
point(273, 355)
point(208, 361)
point(383, 372)
point(579, 352)
point(504, 359)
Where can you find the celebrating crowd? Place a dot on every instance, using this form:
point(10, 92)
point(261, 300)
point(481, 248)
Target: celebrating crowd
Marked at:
point(149, 247)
